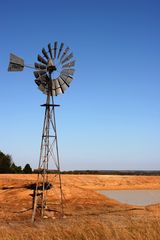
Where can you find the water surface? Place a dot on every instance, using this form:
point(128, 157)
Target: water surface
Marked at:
point(135, 197)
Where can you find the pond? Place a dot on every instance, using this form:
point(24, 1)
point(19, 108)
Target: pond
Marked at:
point(135, 197)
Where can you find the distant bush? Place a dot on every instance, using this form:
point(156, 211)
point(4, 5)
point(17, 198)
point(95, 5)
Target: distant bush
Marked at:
point(15, 169)
point(27, 169)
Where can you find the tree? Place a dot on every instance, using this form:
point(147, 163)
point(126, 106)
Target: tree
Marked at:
point(5, 162)
point(15, 169)
point(27, 169)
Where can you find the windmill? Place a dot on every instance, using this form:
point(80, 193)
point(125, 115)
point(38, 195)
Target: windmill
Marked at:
point(54, 73)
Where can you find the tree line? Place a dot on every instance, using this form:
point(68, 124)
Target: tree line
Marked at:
point(8, 166)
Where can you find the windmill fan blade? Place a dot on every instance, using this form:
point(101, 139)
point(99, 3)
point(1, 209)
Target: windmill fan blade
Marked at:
point(45, 53)
point(41, 59)
point(45, 78)
point(39, 73)
point(67, 58)
point(16, 63)
point(42, 88)
point(48, 87)
point(53, 93)
point(55, 49)
point(63, 85)
point(40, 85)
point(70, 64)
point(66, 79)
point(60, 49)
point(53, 85)
point(39, 66)
point(50, 50)
point(58, 91)
point(64, 53)
point(38, 82)
point(58, 87)
point(62, 81)
point(42, 80)
point(68, 71)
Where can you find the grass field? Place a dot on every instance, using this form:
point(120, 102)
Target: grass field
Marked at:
point(88, 214)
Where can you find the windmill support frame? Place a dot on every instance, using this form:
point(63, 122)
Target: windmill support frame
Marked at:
point(48, 152)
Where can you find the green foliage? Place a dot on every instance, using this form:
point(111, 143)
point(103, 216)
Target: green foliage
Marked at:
point(5, 163)
point(15, 169)
point(8, 166)
point(27, 169)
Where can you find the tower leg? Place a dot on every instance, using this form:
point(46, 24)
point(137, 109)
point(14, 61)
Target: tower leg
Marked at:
point(49, 156)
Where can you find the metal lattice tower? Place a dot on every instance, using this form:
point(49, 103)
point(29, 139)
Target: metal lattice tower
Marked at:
point(53, 74)
point(48, 153)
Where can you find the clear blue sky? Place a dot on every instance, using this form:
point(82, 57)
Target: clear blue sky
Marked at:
point(110, 116)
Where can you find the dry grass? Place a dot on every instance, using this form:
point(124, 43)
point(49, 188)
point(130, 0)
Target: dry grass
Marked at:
point(82, 229)
point(90, 216)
